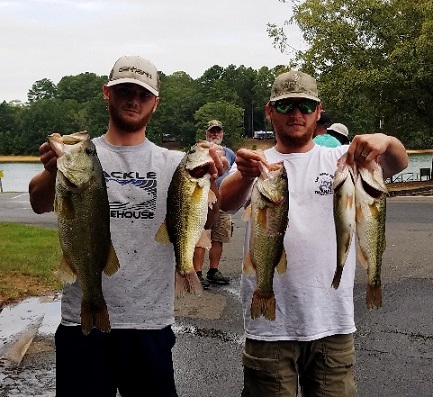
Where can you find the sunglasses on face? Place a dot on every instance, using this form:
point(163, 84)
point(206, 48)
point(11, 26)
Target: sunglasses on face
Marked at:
point(128, 92)
point(305, 106)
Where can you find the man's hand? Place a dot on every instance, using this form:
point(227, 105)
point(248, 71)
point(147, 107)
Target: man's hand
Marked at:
point(48, 156)
point(220, 163)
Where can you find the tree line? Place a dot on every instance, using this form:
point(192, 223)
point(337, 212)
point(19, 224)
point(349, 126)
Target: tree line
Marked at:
point(234, 95)
point(373, 60)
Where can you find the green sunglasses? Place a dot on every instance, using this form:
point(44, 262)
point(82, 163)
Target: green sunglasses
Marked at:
point(305, 106)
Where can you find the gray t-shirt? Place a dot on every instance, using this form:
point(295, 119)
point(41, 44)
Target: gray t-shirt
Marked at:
point(141, 294)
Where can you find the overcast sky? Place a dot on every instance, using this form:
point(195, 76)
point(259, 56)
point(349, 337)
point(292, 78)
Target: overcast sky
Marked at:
point(55, 38)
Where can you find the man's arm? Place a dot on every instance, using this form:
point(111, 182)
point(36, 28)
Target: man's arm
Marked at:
point(236, 187)
point(390, 151)
point(42, 186)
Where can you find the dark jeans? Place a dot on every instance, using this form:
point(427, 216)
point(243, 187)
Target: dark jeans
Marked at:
point(135, 362)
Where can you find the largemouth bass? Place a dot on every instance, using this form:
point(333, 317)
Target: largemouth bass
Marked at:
point(268, 215)
point(82, 209)
point(370, 199)
point(344, 213)
point(188, 201)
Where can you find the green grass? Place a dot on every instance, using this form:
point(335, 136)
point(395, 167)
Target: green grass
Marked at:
point(29, 259)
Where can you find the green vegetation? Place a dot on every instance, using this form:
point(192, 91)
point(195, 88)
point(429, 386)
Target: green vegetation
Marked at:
point(373, 60)
point(234, 95)
point(29, 258)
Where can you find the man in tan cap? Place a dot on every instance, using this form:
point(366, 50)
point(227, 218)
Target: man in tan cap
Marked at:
point(135, 357)
point(311, 337)
point(340, 132)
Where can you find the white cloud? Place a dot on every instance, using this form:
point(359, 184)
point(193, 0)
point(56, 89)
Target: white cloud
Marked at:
point(54, 38)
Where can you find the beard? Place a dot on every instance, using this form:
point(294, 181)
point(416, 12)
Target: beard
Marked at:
point(124, 124)
point(217, 141)
point(295, 141)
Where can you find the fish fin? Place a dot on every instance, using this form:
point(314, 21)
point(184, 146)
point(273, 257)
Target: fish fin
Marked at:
point(94, 318)
point(187, 283)
point(337, 277)
point(211, 199)
point(204, 240)
point(161, 235)
point(246, 216)
point(66, 273)
point(248, 266)
point(113, 264)
point(282, 264)
point(263, 305)
point(374, 296)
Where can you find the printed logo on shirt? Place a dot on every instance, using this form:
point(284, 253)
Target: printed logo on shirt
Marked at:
point(324, 184)
point(133, 187)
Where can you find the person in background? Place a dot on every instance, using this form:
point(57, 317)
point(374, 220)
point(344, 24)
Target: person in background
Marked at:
point(221, 231)
point(135, 357)
point(322, 124)
point(321, 135)
point(311, 338)
point(340, 132)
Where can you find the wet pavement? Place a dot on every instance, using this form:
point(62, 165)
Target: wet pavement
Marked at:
point(394, 344)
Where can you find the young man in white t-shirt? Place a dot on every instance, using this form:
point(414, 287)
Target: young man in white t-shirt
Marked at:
point(311, 338)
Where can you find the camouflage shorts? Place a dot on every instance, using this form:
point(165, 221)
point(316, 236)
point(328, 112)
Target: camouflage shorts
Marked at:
point(222, 230)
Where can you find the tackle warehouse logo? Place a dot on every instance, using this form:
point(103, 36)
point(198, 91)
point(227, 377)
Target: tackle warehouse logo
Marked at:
point(324, 184)
point(139, 191)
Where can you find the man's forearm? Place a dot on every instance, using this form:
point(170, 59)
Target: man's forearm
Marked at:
point(42, 192)
point(235, 191)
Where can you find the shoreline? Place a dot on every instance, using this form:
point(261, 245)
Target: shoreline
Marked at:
point(19, 159)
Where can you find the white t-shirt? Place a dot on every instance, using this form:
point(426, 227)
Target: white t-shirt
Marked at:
point(141, 294)
point(307, 307)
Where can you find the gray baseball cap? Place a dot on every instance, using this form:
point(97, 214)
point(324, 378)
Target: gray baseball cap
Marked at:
point(135, 70)
point(294, 84)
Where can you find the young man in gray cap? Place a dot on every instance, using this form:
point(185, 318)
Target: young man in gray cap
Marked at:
point(221, 231)
point(135, 357)
point(311, 338)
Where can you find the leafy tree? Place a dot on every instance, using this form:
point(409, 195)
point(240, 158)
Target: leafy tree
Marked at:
point(45, 117)
point(230, 115)
point(42, 89)
point(373, 62)
point(179, 99)
point(10, 114)
point(83, 87)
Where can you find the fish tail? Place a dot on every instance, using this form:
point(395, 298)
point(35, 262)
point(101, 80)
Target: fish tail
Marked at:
point(94, 318)
point(263, 305)
point(187, 283)
point(337, 277)
point(374, 296)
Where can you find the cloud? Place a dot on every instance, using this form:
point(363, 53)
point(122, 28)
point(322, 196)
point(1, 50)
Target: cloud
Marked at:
point(54, 38)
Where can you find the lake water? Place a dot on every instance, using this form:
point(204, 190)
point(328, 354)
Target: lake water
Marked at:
point(16, 176)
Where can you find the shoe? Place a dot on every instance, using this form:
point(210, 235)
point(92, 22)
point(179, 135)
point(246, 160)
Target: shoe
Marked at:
point(204, 283)
point(217, 277)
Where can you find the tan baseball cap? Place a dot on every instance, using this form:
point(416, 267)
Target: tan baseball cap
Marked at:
point(135, 70)
point(294, 84)
point(339, 129)
point(214, 123)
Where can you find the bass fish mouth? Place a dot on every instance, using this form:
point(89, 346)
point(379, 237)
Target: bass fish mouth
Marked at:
point(371, 191)
point(199, 172)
